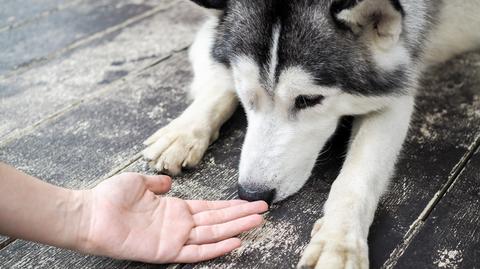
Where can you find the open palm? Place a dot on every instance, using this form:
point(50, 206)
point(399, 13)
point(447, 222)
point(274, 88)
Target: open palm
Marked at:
point(129, 221)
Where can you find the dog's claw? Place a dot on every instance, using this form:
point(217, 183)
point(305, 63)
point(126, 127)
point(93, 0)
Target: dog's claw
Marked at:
point(316, 227)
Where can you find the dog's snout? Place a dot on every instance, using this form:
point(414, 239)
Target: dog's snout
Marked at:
point(256, 194)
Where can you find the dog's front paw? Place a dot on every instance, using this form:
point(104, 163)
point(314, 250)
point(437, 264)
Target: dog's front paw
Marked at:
point(178, 145)
point(334, 249)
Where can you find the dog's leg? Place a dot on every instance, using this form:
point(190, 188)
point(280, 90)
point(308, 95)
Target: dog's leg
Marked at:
point(340, 240)
point(183, 142)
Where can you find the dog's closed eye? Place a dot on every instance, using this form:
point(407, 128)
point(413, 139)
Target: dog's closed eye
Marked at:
point(306, 101)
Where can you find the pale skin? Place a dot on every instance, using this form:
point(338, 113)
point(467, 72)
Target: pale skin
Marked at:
point(123, 218)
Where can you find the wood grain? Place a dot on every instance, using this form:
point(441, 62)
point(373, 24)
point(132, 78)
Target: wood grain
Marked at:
point(43, 92)
point(444, 127)
point(450, 238)
point(41, 39)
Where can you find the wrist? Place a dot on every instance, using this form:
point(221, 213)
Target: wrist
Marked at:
point(78, 226)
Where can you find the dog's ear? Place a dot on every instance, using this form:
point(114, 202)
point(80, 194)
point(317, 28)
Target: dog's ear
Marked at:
point(376, 21)
point(213, 4)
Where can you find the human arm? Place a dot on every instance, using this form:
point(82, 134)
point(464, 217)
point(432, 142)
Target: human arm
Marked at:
point(122, 218)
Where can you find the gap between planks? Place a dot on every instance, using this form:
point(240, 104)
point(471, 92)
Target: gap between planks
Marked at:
point(87, 39)
point(452, 179)
point(418, 224)
point(7, 242)
point(21, 132)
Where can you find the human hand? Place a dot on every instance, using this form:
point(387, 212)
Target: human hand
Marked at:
point(125, 219)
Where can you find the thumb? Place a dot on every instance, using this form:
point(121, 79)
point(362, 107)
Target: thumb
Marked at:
point(158, 184)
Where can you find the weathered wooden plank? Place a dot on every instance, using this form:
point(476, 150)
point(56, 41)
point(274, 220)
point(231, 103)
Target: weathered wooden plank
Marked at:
point(450, 238)
point(88, 142)
point(445, 124)
point(42, 92)
point(32, 42)
point(91, 139)
point(13, 12)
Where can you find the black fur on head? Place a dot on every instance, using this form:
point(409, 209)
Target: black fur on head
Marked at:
point(310, 37)
point(215, 4)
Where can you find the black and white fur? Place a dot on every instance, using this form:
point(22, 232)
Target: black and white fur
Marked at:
point(297, 67)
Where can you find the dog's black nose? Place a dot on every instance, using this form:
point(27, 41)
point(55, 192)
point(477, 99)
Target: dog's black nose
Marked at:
point(256, 194)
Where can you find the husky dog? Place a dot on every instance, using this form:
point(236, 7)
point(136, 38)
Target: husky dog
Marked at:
point(297, 67)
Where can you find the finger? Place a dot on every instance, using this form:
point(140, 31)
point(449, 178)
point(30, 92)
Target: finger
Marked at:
point(197, 206)
point(198, 253)
point(211, 217)
point(214, 233)
point(158, 184)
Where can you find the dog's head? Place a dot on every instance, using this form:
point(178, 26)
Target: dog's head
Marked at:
point(299, 66)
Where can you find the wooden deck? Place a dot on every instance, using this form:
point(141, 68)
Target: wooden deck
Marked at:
point(84, 82)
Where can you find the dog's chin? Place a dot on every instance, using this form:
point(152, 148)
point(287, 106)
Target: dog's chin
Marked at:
point(282, 196)
point(278, 200)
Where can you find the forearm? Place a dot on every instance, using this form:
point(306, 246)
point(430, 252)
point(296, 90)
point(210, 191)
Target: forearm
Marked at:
point(35, 210)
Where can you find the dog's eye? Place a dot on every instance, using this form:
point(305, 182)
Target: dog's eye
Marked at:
point(305, 101)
